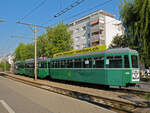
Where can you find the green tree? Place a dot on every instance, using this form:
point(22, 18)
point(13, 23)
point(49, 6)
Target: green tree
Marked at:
point(118, 41)
point(56, 39)
point(3, 64)
point(29, 51)
point(24, 51)
point(42, 44)
point(136, 20)
point(60, 38)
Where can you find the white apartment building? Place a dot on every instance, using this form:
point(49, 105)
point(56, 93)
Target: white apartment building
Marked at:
point(98, 28)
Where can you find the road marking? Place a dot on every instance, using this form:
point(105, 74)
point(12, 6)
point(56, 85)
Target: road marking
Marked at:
point(8, 108)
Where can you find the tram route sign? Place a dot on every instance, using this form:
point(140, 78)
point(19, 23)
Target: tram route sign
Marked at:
point(80, 51)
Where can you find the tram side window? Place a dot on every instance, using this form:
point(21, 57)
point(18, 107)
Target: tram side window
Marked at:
point(39, 65)
point(77, 63)
point(44, 65)
point(114, 62)
point(49, 65)
point(57, 64)
point(31, 65)
point(134, 61)
point(26, 66)
point(20, 66)
point(53, 64)
point(63, 64)
point(98, 62)
point(69, 63)
point(126, 61)
point(87, 63)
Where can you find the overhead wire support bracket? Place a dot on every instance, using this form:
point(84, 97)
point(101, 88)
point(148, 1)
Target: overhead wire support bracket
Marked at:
point(31, 25)
point(35, 44)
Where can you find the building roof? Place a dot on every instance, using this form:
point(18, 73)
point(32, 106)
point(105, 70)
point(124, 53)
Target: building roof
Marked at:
point(91, 14)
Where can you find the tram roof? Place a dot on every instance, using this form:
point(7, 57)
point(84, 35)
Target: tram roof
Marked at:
point(19, 62)
point(108, 51)
point(39, 59)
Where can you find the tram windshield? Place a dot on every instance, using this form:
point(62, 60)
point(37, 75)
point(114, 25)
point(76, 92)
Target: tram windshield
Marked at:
point(134, 61)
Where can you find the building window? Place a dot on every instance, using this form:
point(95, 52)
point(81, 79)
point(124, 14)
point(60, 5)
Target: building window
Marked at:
point(76, 38)
point(102, 42)
point(84, 28)
point(76, 30)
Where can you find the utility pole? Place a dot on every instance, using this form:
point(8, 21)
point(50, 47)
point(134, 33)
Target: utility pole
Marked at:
point(5, 66)
point(35, 52)
point(5, 59)
point(35, 45)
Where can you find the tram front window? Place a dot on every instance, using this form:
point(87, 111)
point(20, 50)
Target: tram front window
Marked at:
point(134, 61)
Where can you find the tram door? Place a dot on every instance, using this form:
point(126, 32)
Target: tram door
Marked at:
point(114, 70)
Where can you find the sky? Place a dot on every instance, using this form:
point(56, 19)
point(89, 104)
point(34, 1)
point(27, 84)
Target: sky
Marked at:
point(41, 12)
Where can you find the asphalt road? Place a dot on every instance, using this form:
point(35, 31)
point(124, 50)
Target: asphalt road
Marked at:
point(17, 97)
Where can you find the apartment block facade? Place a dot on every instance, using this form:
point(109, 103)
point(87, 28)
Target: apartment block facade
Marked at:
point(98, 28)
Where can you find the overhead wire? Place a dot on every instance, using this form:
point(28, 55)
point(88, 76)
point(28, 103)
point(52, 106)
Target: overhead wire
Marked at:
point(32, 10)
point(74, 4)
point(82, 12)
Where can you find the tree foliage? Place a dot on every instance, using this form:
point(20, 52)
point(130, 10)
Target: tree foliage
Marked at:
point(60, 38)
point(118, 42)
point(24, 51)
point(2, 66)
point(56, 39)
point(135, 16)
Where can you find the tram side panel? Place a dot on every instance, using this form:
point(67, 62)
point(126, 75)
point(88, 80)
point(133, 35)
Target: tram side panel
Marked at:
point(43, 69)
point(80, 70)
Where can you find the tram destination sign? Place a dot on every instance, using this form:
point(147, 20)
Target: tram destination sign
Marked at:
point(80, 51)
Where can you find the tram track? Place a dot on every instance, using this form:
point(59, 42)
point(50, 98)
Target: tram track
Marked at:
point(112, 104)
point(131, 91)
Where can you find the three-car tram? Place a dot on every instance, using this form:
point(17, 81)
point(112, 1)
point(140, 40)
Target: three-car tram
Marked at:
point(112, 67)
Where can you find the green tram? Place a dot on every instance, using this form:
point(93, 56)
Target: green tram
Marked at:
point(112, 67)
point(19, 67)
point(42, 71)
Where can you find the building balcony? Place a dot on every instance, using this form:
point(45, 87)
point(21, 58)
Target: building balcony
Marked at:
point(94, 42)
point(95, 37)
point(94, 22)
point(97, 28)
